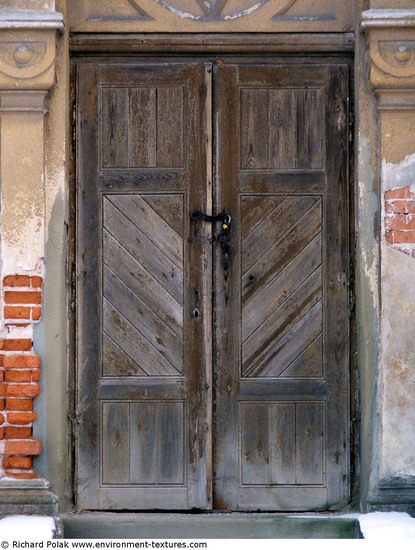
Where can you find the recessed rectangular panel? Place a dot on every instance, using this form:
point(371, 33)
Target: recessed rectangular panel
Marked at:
point(281, 286)
point(143, 286)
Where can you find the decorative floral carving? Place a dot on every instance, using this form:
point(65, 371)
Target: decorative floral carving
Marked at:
point(218, 10)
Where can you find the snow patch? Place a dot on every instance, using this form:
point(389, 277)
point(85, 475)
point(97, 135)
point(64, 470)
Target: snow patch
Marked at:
point(30, 528)
point(387, 525)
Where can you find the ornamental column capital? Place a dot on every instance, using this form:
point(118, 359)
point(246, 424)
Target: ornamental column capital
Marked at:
point(28, 49)
point(391, 39)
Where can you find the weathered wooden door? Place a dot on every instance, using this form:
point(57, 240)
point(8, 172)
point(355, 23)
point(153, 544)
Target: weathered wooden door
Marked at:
point(203, 381)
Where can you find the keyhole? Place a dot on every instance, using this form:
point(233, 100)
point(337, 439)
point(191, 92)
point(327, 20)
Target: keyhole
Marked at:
point(196, 314)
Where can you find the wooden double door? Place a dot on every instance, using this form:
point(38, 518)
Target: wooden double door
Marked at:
point(212, 363)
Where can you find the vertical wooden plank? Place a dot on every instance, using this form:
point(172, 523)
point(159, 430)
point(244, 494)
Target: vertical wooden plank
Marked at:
point(309, 443)
point(170, 439)
point(114, 124)
point(282, 129)
point(170, 127)
point(143, 443)
point(254, 129)
point(115, 443)
point(254, 444)
point(309, 129)
point(143, 127)
point(282, 444)
point(337, 337)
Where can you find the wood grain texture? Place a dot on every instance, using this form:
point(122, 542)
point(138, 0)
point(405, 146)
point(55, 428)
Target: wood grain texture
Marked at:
point(141, 173)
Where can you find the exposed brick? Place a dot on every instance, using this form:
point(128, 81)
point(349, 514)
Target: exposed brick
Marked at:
point(2, 404)
point(28, 447)
point(22, 476)
point(20, 462)
point(15, 344)
point(401, 193)
point(1, 360)
point(18, 376)
point(11, 312)
point(20, 417)
point(36, 313)
point(20, 390)
point(19, 404)
point(3, 390)
point(36, 375)
point(2, 433)
point(16, 280)
point(21, 361)
point(1, 344)
point(1, 375)
point(400, 206)
point(404, 236)
point(1, 419)
point(400, 221)
point(36, 282)
point(18, 433)
point(15, 297)
point(389, 237)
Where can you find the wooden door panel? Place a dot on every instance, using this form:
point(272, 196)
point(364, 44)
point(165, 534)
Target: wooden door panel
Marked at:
point(281, 367)
point(143, 357)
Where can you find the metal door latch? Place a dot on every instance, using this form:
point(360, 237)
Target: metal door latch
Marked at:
point(223, 238)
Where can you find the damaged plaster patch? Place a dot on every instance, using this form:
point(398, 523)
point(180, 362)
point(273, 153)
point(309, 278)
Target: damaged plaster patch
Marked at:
point(398, 205)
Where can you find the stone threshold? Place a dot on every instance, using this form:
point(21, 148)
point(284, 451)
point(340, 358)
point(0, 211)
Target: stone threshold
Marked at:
point(214, 525)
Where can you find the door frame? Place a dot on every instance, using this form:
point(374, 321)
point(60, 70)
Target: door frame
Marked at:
point(270, 49)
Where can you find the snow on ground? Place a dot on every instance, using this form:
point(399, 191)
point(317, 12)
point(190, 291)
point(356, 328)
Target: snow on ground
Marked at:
point(383, 525)
point(30, 528)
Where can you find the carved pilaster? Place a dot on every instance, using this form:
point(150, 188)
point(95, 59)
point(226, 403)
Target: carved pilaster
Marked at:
point(391, 41)
point(27, 74)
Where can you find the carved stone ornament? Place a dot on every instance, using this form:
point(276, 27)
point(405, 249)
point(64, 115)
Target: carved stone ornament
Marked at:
point(210, 15)
point(28, 49)
point(392, 47)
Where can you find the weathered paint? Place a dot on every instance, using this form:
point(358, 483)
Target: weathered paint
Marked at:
point(397, 355)
point(51, 335)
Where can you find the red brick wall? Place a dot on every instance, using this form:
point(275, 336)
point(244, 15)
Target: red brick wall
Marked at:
point(400, 219)
point(19, 374)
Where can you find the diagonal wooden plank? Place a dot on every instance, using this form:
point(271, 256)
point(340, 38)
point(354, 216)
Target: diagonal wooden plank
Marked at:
point(134, 344)
point(116, 362)
point(281, 321)
point(291, 345)
point(167, 344)
point(256, 209)
point(120, 262)
point(154, 227)
point(309, 364)
point(169, 207)
point(272, 228)
point(143, 250)
point(280, 288)
point(281, 253)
